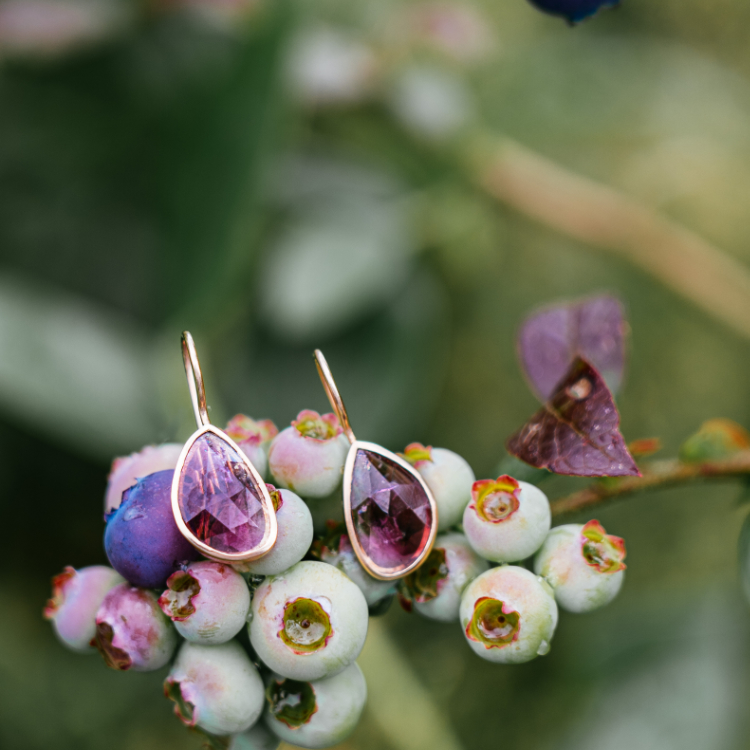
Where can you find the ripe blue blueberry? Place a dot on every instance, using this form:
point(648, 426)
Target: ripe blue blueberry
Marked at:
point(573, 10)
point(127, 470)
point(141, 539)
point(316, 714)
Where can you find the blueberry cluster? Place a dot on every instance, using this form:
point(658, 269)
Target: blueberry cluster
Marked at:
point(508, 614)
point(265, 651)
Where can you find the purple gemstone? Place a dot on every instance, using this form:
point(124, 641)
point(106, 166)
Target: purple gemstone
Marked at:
point(218, 498)
point(391, 511)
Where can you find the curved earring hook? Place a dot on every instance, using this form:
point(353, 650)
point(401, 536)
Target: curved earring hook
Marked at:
point(194, 379)
point(337, 403)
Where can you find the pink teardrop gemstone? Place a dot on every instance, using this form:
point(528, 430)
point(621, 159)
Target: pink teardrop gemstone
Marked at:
point(391, 511)
point(218, 497)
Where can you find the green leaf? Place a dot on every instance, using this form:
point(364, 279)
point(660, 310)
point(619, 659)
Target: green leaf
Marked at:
point(343, 252)
point(213, 144)
point(75, 371)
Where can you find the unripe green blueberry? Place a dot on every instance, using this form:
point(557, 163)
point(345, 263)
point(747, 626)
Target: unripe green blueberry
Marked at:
point(308, 622)
point(131, 630)
point(506, 520)
point(258, 737)
point(294, 537)
point(76, 597)
point(508, 615)
point(583, 564)
point(336, 549)
point(127, 470)
point(449, 478)
point(434, 588)
point(208, 602)
point(215, 688)
point(316, 714)
point(308, 456)
point(253, 437)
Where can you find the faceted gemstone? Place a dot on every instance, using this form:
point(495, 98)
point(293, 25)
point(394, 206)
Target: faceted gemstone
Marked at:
point(218, 498)
point(390, 510)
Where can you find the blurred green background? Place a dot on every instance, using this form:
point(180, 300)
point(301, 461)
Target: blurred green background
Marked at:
point(276, 176)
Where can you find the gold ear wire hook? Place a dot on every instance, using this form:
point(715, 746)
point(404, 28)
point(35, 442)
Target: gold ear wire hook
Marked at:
point(194, 379)
point(337, 403)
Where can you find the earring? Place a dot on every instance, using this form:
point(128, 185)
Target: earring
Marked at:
point(389, 511)
point(220, 502)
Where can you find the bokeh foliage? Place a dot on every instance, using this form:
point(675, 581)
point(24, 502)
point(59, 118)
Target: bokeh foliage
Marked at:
point(169, 178)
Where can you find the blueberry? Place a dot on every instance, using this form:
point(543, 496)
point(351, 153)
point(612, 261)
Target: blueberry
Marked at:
point(294, 536)
point(215, 688)
point(141, 539)
point(573, 10)
point(507, 520)
point(132, 632)
point(308, 457)
point(508, 615)
point(449, 478)
point(336, 549)
point(76, 597)
point(253, 438)
point(258, 737)
point(207, 601)
point(583, 564)
point(316, 714)
point(127, 470)
point(435, 587)
point(309, 622)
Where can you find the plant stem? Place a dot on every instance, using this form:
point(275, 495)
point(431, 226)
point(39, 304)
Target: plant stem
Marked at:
point(605, 218)
point(656, 475)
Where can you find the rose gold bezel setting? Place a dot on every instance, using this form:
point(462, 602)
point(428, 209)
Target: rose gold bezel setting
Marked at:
point(198, 398)
point(337, 403)
point(271, 528)
point(375, 570)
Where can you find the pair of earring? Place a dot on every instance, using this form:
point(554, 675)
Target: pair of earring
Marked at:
point(223, 508)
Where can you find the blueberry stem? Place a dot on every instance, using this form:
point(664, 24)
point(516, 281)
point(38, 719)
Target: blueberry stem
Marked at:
point(656, 475)
point(605, 218)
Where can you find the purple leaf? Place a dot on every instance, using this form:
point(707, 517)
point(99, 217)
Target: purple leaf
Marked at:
point(551, 339)
point(577, 431)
